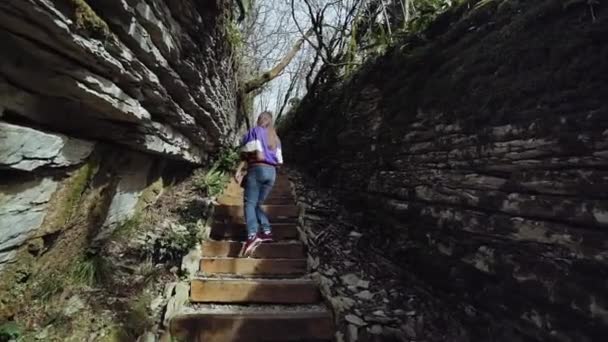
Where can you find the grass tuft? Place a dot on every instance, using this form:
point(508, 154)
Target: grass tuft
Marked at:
point(90, 271)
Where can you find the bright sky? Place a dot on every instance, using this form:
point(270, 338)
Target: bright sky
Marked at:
point(277, 32)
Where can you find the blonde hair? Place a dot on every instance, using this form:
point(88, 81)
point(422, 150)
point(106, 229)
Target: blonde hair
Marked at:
point(265, 120)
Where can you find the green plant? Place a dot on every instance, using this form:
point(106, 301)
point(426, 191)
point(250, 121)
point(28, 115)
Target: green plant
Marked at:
point(228, 159)
point(176, 242)
point(169, 244)
point(9, 331)
point(426, 11)
point(212, 182)
point(91, 270)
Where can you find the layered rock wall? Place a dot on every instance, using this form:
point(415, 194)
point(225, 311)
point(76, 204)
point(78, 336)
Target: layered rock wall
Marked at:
point(156, 76)
point(98, 101)
point(479, 158)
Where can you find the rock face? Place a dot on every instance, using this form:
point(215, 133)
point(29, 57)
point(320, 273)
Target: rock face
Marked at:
point(153, 75)
point(22, 210)
point(27, 149)
point(371, 297)
point(479, 159)
point(100, 101)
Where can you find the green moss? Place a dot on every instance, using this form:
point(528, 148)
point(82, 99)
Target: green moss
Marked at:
point(233, 34)
point(149, 196)
point(14, 282)
point(129, 226)
point(77, 186)
point(88, 20)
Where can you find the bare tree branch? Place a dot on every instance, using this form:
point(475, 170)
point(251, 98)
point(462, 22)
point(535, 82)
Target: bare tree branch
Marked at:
point(292, 85)
point(273, 73)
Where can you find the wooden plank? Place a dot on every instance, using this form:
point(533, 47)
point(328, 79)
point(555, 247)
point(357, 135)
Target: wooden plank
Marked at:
point(253, 267)
point(273, 250)
point(253, 327)
point(235, 213)
point(273, 211)
point(279, 291)
point(273, 200)
point(237, 231)
point(280, 183)
point(278, 190)
point(281, 194)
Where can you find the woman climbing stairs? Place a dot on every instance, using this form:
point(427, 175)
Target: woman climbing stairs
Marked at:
point(267, 297)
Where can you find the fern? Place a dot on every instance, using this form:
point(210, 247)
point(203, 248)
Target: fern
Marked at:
point(213, 182)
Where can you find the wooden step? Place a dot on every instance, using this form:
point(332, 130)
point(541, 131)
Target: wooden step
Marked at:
point(277, 190)
point(238, 200)
point(276, 291)
point(237, 231)
point(273, 211)
point(272, 250)
point(253, 267)
point(253, 325)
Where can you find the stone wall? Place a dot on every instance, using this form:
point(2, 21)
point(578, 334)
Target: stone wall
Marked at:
point(98, 101)
point(479, 155)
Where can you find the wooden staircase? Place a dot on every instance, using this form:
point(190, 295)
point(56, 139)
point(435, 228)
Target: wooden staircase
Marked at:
point(267, 297)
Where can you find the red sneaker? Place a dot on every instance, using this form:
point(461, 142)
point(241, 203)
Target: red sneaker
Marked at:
point(265, 236)
point(250, 245)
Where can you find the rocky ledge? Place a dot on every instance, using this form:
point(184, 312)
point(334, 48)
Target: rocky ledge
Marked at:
point(154, 75)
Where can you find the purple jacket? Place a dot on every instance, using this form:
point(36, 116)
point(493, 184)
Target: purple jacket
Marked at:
point(256, 140)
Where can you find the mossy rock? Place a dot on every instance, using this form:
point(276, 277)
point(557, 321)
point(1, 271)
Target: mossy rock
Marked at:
point(67, 200)
point(87, 20)
point(150, 195)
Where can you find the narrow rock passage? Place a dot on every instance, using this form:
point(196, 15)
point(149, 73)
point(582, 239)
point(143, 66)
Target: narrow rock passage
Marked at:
point(268, 297)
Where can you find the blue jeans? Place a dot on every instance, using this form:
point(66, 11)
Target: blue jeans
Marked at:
point(259, 182)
